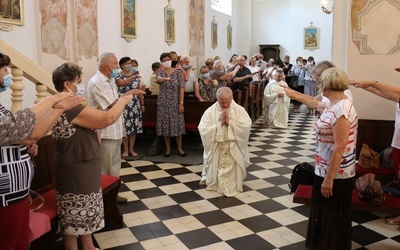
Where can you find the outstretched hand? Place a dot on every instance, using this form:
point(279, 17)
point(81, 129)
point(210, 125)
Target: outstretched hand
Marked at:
point(69, 102)
point(361, 84)
point(135, 92)
point(291, 93)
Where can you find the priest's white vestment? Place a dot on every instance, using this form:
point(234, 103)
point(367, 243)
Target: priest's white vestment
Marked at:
point(226, 153)
point(275, 109)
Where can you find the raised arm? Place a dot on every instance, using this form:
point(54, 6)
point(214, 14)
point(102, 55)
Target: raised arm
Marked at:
point(386, 91)
point(97, 119)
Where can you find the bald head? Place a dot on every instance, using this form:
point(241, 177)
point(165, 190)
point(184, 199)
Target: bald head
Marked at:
point(224, 97)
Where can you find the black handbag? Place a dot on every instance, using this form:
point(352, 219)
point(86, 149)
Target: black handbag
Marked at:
point(294, 81)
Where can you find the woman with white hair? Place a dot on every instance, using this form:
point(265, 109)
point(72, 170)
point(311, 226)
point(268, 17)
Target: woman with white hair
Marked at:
point(218, 73)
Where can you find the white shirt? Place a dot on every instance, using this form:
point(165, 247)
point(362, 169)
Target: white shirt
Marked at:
point(102, 92)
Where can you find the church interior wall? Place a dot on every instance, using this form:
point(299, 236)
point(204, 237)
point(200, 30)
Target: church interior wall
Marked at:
point(253, 22)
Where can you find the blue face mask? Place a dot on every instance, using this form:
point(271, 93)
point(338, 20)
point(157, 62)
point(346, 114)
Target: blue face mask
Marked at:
point(6, 83)
point(114, 73)
point(134, 69)
point(206, 75)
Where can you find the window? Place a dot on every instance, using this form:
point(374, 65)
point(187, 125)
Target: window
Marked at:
point(223, 6)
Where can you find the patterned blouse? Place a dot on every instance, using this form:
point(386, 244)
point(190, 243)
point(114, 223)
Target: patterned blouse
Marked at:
point(16, 170)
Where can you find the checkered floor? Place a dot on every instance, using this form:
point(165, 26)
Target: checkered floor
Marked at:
point(168, 209)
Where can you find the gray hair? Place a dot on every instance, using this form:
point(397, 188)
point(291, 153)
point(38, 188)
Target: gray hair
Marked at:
point(224, 92)
point(184, 57)
point(217, 63)
point(104, 59)
point(321, 66)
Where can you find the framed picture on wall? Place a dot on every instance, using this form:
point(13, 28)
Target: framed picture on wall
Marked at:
point(12, 12)
point(229, 35)
point(214, 33)
point(128, 18)
point(311, 38)
point(169, 24)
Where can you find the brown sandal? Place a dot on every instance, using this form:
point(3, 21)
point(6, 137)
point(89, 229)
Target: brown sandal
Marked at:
point(393, 221)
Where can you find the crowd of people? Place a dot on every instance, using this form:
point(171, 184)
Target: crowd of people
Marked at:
point(89, 136)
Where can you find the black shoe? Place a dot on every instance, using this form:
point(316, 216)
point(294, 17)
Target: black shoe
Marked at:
point(167, 155)
point(182, 155)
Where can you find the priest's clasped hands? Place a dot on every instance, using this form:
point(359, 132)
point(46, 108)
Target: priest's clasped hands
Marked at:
point(224, 118)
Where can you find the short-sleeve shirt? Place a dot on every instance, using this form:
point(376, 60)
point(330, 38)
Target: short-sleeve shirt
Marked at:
point(325, 141)
point(242, 72)
point(189, 84)
point(102, 92)
point(74, 143)
point(216, 75)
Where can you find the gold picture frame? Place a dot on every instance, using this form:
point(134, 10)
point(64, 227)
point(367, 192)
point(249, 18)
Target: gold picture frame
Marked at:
point(128, 19)
point(12, 12)
point(169, 24)
point(214, 33)
point(311, 38)
point(229, 35)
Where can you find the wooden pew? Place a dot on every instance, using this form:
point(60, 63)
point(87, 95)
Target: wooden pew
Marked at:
point(194, 109)
point(241, 97)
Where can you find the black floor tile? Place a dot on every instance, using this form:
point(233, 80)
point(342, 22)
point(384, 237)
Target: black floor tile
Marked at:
point(132, 177)
point(164, 181)
point(198, 238)
point(132, 206)
point(253, 242)
point(267, 206)
point(178, 171)
point(213, 218)
point(259, 223)
point(277, 180)
point(365, 236)
point(186, 197)
point(148, 193)
point(150, 231)
point(170, 212)
point(224, 202)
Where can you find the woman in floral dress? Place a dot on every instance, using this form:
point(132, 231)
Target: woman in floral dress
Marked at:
point(129, 78)
point(170, 119)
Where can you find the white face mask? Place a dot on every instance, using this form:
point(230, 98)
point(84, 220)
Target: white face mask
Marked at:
point(167, 64)
point(80, 89)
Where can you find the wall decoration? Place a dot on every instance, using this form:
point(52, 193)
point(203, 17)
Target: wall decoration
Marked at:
point(214, 33)
point(196, 28)
point(311, 37)
point(54, 27)
point(12, 12)
point(229, 35)
point(86, 23)
point(371, 33)
point(128, 19)
point(169, 23)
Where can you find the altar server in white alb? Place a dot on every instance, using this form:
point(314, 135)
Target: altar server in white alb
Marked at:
point(225, 129)
point(275, 103)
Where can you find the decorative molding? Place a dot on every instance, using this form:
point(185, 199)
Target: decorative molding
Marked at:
point(368, 34)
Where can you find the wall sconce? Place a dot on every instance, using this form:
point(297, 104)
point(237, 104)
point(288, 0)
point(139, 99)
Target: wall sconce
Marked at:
point(324, 3)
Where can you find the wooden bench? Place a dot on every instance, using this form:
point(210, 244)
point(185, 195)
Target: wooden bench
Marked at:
point(43, 183)
point(390, 206)
point(194, 110)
